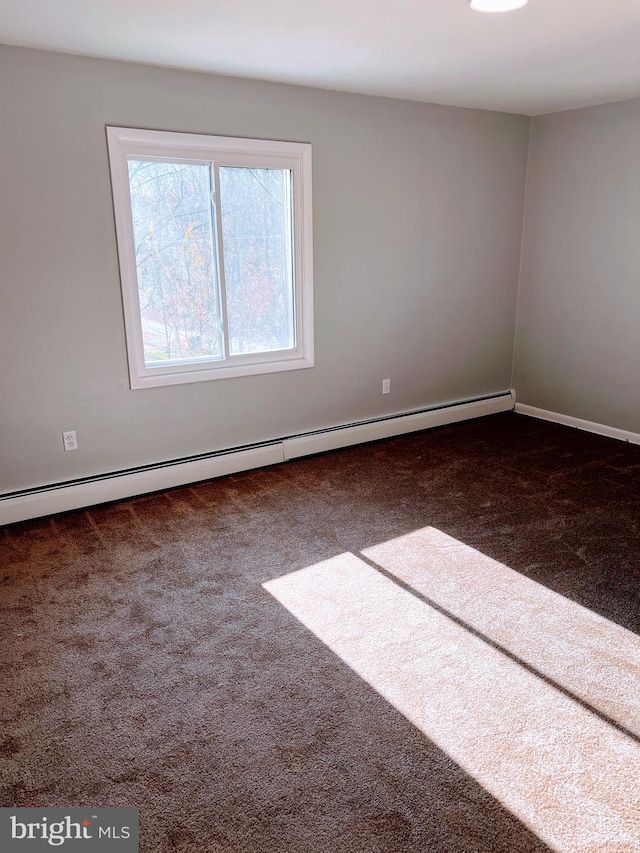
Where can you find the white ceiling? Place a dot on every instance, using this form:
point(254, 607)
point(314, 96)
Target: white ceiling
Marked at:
point(549, 56)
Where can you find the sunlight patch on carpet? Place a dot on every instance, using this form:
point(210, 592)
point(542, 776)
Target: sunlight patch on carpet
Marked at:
point(565, 772)
point(593, 658)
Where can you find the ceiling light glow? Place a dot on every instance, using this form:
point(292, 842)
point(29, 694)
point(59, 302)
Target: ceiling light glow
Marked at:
point(497, 5)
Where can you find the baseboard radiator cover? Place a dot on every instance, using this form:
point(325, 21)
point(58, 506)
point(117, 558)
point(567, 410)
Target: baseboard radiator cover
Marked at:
point(117, 485)
point(578, 423)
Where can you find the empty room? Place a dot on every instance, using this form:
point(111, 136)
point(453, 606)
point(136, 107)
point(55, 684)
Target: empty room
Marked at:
point(320, 426)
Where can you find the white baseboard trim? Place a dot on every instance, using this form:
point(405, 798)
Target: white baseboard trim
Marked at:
point(60, 497)
point(578, 423)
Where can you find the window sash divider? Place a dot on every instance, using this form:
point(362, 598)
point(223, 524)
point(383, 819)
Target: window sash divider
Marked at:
point(218, 260)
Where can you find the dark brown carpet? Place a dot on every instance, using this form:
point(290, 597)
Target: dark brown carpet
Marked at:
point(145, 665)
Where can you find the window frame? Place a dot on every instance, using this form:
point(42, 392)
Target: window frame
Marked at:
point(125, 144)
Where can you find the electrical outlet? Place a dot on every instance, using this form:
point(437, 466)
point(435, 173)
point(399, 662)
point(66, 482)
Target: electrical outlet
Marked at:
point(386, 386)
point(69, 440)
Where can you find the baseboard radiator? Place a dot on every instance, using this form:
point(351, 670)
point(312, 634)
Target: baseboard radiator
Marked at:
point(116, 485)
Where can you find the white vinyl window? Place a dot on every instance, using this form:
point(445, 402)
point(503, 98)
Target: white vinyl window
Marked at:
point(214, 241)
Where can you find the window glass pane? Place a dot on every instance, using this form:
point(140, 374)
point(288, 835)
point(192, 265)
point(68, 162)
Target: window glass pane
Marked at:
point(177, 280)
point(257, 251)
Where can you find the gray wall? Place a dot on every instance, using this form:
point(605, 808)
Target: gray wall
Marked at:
point(417, 233)
point(578, 333)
